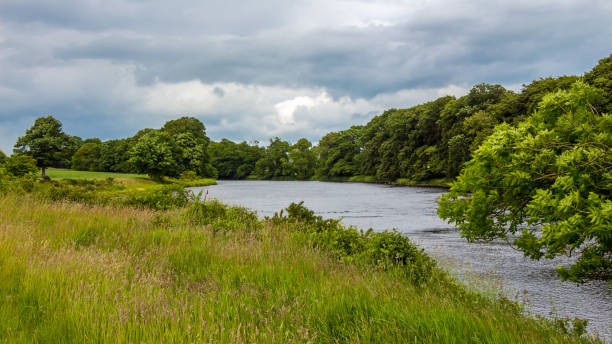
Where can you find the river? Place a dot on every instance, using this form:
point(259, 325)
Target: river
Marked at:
point(412, 211)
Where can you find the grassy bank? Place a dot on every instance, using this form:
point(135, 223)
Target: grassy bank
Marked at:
point(75, 272)
point(59, 173)
point(442, 182)
point(131, 180)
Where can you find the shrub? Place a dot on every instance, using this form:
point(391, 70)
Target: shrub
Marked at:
point(385, 250)
point(164, 198)
point(20, 165)
point(220, 216)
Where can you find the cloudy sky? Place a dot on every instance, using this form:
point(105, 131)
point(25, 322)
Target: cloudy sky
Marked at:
point(251, 70)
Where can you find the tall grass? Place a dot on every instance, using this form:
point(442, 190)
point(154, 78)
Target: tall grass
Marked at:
point(71, 272)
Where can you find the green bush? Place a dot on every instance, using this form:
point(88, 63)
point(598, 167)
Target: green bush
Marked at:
point(20, 165)
point(219, 216)
point(164, 198)
point(385, 250)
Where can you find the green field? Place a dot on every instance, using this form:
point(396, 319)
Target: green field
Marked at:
point(59, 173)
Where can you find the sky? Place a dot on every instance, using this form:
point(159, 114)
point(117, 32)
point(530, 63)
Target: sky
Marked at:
point(252, 70)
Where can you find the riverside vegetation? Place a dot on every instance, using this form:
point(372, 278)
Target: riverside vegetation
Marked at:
point(535, 164)
point(133, 260)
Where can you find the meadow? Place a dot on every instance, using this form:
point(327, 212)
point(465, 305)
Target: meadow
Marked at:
point(91, 271)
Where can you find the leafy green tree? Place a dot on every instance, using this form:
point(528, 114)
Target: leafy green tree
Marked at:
point(233, 160)
point(114, 156)
point(87, 157)
point(275, 161)
point(20, 165)
point(44, 141)
point(303, 159)
point(601, 77)
point(156, 154)
point(190, 135)
point(72, 144)
point(2, 157)
point(339, 153)
point(546, 185)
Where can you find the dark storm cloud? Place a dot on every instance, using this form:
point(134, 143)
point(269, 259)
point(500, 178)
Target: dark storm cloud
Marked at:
point(98, 62)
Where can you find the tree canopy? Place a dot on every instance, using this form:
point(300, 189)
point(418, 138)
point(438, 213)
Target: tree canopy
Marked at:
point(544, 185)
point(156, 154)
point(46, 142)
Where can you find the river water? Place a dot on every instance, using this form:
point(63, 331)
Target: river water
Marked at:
point(412, 210)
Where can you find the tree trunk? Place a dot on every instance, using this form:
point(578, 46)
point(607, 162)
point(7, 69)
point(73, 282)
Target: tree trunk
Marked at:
point(43, 172)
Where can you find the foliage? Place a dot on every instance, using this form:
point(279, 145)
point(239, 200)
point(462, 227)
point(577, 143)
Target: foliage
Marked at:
point(275, 161)
point(548, 180)
point(190, 136)
point(338, 153)
point(46, 142)
point(19, 165)
point(303, 159)
point(87, 157)
point(156, 154)
point(234, 160)
point(601, 77)
point(385, 250)
point(2, 157)
point(220, 217)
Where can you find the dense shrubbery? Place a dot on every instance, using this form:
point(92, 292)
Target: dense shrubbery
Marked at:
point(385, 250)
point(20, 165)
point(218, 216)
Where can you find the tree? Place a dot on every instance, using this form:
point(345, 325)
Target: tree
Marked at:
point(44, 141)
point(233, 160)
point(601, 77)
point(190, 135)
point(2, 157)
point(156, 154)
point(275, 161)
point(547, 183)
point(87, 157)
point(20, 165)
point(303, 159)
point(338, 153)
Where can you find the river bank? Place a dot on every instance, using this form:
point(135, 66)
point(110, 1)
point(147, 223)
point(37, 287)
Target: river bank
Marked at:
point(76, 268)
point(412, 211)
point(436, 183)
point(75, 273)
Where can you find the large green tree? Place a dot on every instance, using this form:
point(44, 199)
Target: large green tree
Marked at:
point(190, 135)
point(87, 157)
point(545, 185)
point(303, 159)
point(275, 161)
point(234, 160)
point(46, 142)
point(601, 77)
point(2, 157)
point(156, 154)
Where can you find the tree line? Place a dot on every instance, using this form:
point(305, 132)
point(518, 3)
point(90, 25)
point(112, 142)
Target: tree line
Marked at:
point(429, 141)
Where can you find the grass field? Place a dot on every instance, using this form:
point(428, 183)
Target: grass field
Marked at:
point(71, 272)
point(57, 173)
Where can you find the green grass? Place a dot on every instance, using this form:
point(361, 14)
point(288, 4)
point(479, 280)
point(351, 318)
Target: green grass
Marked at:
point(71, 272)
point(58, 173)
